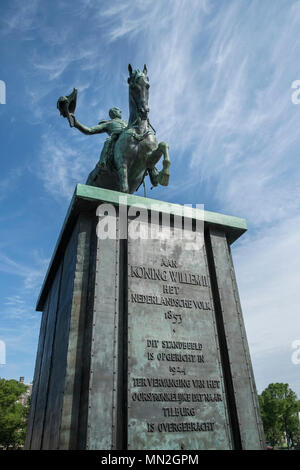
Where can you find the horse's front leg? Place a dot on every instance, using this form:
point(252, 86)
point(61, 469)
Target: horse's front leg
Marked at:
point(164, 175)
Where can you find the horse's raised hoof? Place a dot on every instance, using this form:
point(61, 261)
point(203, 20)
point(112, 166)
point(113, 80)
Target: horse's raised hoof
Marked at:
point(163, 178)
point(163, 146)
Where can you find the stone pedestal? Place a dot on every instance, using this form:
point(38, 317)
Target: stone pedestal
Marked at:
point(142, 342)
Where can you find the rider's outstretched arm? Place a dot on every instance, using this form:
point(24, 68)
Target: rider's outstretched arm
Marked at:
point(89, 130)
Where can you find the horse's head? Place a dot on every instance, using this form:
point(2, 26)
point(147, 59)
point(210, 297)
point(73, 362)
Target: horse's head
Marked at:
point(139, 90)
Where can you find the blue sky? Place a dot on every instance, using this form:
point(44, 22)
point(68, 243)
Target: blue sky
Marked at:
point(221, 73)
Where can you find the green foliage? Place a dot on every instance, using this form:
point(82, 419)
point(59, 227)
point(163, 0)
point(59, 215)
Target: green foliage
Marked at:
point(279, 410)
point(13, 415)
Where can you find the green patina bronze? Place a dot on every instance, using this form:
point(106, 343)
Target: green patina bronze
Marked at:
point(131, 151)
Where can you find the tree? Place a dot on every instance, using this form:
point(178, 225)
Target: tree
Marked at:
point(279, 410)
point(13, 415)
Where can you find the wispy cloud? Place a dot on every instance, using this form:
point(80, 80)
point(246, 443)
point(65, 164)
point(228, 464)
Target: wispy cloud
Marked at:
point(267, 269)
point(20, 17)
point(15, 308)
point(267, 272)
point(9, 183)
point(227, 96)
point(32, 276)
point(55, 66)
point(15, 300)
point(61, 166)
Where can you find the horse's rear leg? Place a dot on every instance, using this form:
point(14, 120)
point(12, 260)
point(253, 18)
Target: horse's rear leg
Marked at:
point(123, 177)
point(164, 175)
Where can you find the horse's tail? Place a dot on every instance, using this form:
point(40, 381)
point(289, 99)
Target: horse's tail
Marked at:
point(143, 182)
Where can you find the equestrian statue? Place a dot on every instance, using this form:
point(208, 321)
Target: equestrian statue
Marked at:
point(131, 151)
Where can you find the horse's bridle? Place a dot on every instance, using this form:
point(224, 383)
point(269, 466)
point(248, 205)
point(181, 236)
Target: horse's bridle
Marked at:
point(131, 83)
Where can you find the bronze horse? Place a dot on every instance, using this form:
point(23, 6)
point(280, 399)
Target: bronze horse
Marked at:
point(137, 150)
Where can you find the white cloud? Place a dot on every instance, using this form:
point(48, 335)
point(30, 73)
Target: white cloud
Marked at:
point(15, 300)
point(9, 182)
point(61, 166)
point(32, 275)
point(55, 66)
point(166, 34)
point(21, 344)
point(21, 17)
point(267, 267)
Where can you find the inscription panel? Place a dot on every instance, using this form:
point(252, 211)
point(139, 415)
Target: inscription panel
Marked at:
point(176, 397)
